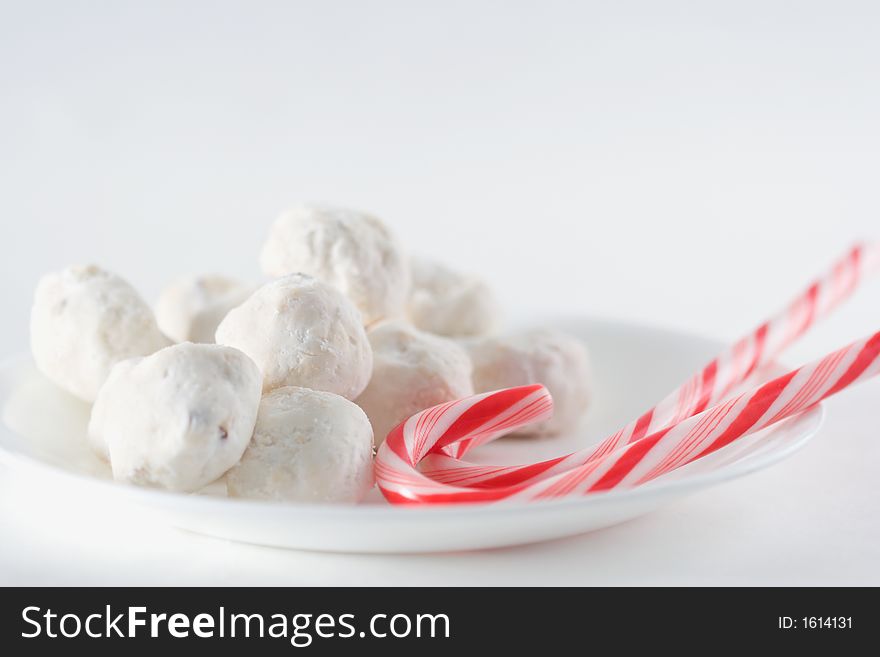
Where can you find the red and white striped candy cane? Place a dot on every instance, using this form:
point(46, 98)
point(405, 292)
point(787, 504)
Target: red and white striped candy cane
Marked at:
point(708, 386)
point(493, 414)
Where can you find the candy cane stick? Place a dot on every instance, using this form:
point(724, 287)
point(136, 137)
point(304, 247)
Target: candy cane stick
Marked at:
point(708, 386)
point(493, 414)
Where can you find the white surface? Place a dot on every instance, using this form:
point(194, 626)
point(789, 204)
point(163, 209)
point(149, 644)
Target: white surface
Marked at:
point(42, 432)
point(684, 164)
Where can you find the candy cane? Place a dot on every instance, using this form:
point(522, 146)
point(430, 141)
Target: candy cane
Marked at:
point(490, 415)
point(708, 386)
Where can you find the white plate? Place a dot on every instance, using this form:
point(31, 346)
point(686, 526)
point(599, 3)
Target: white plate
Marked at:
point(43, 433)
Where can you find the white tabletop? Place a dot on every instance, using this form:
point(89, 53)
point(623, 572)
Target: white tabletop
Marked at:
point(681, 166)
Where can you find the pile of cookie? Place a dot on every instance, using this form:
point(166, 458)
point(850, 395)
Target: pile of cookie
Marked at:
point(283, 389)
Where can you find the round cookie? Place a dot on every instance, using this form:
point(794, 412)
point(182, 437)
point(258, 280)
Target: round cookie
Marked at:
point(302, 332)
point(177, 419)
point(84, 320)
point(552, 358)
point(447, 302)
point(412, 370)
point(308, 446)
point(353, 251)
point(191, 308)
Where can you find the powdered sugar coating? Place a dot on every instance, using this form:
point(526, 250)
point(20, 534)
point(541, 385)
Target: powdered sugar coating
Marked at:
point(308, 446)
point(191, 308)
point(550, 357)
point(412, 370)
point(353, 251)
point(177, 419)
point(84, 320)
point(302, 332)
point(451, 303)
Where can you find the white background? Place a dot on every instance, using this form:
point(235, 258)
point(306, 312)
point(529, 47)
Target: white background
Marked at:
point(685, 164)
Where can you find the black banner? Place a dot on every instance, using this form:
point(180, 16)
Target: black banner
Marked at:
point(433, 621)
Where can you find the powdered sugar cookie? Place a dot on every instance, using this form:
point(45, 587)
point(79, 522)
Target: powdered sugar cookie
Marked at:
point(177, 419)
point(191, 308)
point(412, 370)
point(308, 446)
point(85, 320)
point(552, 358)
point(302, 332)
point(353, 251)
